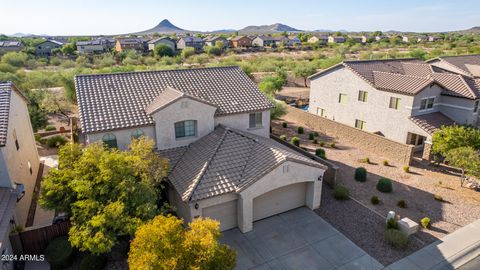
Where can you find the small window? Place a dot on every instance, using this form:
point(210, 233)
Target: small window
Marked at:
point(255, 120)
point(321, 112)
point(137, 133)
point(475, 106)
point(362, 96)
point(110, 140)
point(394, 103)
point(342, 98)
point(359, 124)
point(186, 128)
point(427, 103)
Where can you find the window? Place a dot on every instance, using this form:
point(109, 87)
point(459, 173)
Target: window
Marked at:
point(359, 124)
point(321, 112)
point(342, 98)
point(394, 103)
point(187, 128)
point(137, 133)
point(475, 107)
point(362, 96)
point(110, 140)
point(415, 139)
point(427, 103)
point(255, 120)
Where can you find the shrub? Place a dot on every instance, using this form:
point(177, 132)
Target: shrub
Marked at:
point(392, 224)
point(361, 174)
point(284, 125)
point(340, 193)
point(59, 253)
point(187, 52)
point(385, 163)
point(322, 144)
point(300, 130)
point(385, 185)
point(93, 262)
point(295, 141)
point(402, 204)
point(283, 137)
point(311, 136)
point(315, 134)
point(365, 160)
point(50, 128)
point(333, 145)
point(425, 222)
point(375, 200)
point(315, 141)
point(438, 197)
point(406, 169)
point(56, 141)
point(319, 152)
point(396, 238)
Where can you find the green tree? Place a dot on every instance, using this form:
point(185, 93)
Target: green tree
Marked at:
point(106, 192)
point(38, 117)
point(270, 85)
point(220, 44)
point(55, 103)
point(187, 52)
point(162, 50)
point(15, 59)
point(212, 50)
point(451, 137)
point(163, 243)
point(465, 158)
point(69, 49)
point(418, 53)
point(303, 71)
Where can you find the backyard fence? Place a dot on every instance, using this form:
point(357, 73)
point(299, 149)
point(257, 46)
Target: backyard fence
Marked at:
point(35, 240)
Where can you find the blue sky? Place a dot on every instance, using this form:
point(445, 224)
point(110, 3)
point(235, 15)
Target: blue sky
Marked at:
point(57, 17)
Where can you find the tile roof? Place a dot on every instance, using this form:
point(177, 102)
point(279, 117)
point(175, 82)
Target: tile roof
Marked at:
point(470, 64)
point(153, 41)
point(167, 97)
point(125, 41)
point(400, 83)
point(458, 85)
point(5, 94)
point(431, 122)
point(226, 161)
point(10, 43)
point(192, 39)
point(8, 200)
point(119, 100)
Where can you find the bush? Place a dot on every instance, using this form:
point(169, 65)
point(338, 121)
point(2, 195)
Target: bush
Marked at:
point(284, 124)
point(385, 163)
point(56, 141)
point(392, 224)
point(425, 222)
point(187, 52)
point(385, 185)
point(300, 130)
point(375, 200)
point(333, 145)
point(319, 152)
point(311, 136)
point(163, 50)
point(295, 141)
point(365, 160)
point(283, 137)
point(93, 262)
point(322, 144)
point(315, 141)
point(361, 174)
point(438, 197)
point(315, 134)
point(340, 193)
point(59, 253)
point(402, 204)
point(396, 238)
point(50, 128)
point(406, 169)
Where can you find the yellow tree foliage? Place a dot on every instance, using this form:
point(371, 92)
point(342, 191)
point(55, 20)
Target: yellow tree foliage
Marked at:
point(163, 243)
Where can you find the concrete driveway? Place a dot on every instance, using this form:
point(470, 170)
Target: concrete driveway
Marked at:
point(297, 239)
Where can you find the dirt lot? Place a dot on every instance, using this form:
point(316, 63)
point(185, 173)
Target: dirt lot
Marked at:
point(460, 207)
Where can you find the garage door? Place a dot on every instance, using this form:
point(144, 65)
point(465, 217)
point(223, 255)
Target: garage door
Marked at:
point(226, 213)
point(279, 200)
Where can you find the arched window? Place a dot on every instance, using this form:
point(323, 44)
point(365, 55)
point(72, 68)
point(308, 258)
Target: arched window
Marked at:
point(110, 140)
point(137, 133)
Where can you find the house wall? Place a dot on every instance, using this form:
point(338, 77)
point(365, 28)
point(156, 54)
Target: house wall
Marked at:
point(124, 136)
point(459, 109)
point(45, 48)
point(17, 161)
point(10, 49)
point(167, 42)
point(183, 208)
point(241, 122)
point(90, 49)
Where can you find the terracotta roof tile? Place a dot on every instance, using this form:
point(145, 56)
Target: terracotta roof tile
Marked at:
point(5, 94)
point(431, 122)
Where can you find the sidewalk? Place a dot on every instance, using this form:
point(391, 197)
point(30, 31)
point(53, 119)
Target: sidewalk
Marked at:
point(451, 252)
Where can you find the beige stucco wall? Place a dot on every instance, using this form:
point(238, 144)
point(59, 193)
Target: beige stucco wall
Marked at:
point(124, 136)
point(459, 109)
point(16, 161)
point(241, 122)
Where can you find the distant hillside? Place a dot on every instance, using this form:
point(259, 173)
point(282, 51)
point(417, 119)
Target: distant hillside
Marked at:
point(164, 27)
point(473, 30)
point(267, 29)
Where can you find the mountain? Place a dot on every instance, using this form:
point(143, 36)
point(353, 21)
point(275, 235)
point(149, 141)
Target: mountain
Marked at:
point(268, 29)
point(21, 35)
point(164, 27)
point(473, 30)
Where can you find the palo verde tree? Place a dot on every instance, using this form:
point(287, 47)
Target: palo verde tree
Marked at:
point(451, 137)
point(106, 192)
point(303, 71)
point(163, 243)
point(465, 158)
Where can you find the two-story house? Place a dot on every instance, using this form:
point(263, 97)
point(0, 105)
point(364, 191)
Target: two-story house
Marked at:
point(336, 39)
point(212, 41)
point(241, 42)
point(136, 44)
point(188, 41)
point(45, 48)
point(404, 100)
point(468, 65)
point(263, 41)
point(172, 44)
point(91, 46)
point(10, 46)
point(213, 125)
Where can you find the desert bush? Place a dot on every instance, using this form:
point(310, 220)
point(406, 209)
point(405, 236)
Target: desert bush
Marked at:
point(283, 137)
point(406, 169)
point(375, 200)
point(392, 224)
point(311, 136)
point(93, 262)
point(319, 152)
point(396, 238)
point(322, 144)
point(425, 222)
point(438, 197)
point(315, 141)
point(385, 185)
point(56, 141)
point(300, 130)
point(50, 128)
point(385, 163)
point(365, 160)
point(295, 141)
point(402, 204)
point(333, 145)
point(59, 253)
point(187, 52)
point(340, 193)
point(361, 174)
point(284, 124)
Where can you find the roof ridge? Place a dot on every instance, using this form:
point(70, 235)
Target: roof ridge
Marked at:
point(381, 60)
point(404, 75)
point(467, 85)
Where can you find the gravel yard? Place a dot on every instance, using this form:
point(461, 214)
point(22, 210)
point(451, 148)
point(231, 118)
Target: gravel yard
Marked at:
point(460, 207)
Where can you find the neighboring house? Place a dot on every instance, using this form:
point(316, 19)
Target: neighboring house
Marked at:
point(263, 41)
point(434, 38)
point(365, 38)
point(294, 41)
point(282, 41)
point(358, 39)
point(213, 125)
point(10, 46)
point(45, 48)
point(422, 39)
point(91, 46)
point(241, 42)
point(405, 39)
point(162, 40)
point(380, 38)
point(194, 42)
point(318, 39)
point(212, 40)
point(136, 44)
point(406, 100)
point(19, 161)
point(468, 65)
point(8, 199)
point(336, 39)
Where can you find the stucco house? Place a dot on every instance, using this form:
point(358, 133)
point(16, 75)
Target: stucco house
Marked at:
point(188, 41)
point(162, 40)
point(10, 46)
point(241, 42)
point(213, 125)
point(468, 65)
point(45, 48)
point(263, 41)
point(336, 39)
point(212, 40)
point(405, 100)
point(95, 46)
point(318, 39)
point(136, 44)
